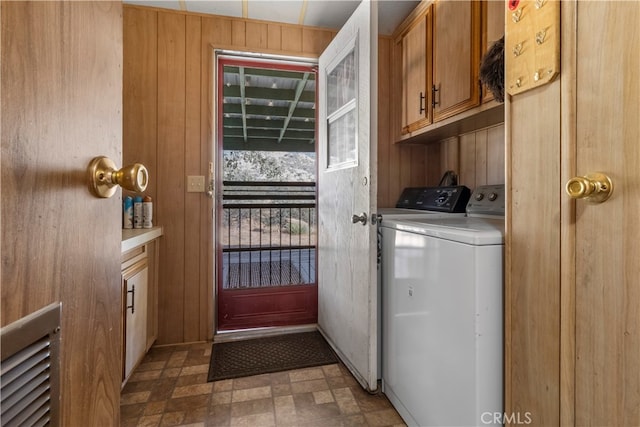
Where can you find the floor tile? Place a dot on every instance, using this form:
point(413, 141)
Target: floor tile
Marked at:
point(170, 388)
point(250, 394)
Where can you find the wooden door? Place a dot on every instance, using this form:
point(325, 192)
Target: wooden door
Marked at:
point(607, 235)
point(456, 56)
point(61, 106)
point(347, 126)
point(572, 350)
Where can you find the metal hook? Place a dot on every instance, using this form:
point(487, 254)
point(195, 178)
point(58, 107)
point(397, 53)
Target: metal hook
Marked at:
point(517, 49)
point(516, 15)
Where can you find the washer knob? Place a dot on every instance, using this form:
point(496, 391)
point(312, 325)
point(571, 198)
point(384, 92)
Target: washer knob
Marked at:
point(479, 196)
point(493, 196)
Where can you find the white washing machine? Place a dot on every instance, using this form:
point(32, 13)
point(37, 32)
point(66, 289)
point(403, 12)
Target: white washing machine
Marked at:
point(442, 310)
point(417, 203)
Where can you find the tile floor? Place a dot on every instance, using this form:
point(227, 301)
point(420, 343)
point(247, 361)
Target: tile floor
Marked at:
point(170, 388)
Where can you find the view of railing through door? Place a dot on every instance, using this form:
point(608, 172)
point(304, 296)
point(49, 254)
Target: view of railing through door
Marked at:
point(266, 205)
point(268, 234)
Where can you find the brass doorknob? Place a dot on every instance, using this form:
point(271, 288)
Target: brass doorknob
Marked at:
point(595, 187)
point(103, 177)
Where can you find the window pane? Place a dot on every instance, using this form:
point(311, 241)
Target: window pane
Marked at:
point(341, 83)
point(342, 139)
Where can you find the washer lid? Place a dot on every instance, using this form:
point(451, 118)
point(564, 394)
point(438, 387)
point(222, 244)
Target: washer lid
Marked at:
point(472, 231)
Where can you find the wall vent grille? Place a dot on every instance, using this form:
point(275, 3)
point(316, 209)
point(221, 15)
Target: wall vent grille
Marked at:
point(30, 370)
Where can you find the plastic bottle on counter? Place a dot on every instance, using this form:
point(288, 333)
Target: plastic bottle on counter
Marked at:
point(137, 212)
point(147, 212)
point(127, 212)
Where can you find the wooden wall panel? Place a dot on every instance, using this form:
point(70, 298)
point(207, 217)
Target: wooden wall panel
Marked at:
point(238, 33)
point(449, 155)
point(532, 270)
point(217, 31)
point(193, 201)
point(481, 158)
point(467, 168)
point(384, 112)
point(495, 155)
point(292, 39)
point(314, 41)
point(140, 83)
point(477, 157)
point(170, 203)
point(274, 34)
point(257, 35)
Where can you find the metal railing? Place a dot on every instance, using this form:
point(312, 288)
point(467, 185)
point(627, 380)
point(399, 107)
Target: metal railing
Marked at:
point(268, 234)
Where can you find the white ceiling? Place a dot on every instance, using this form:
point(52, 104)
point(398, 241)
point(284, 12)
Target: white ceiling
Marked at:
point(319, 13)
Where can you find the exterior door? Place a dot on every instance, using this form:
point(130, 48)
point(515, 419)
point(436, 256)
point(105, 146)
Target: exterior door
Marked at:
point(572, 290)
point(347, 284)
point(266, 228)
point(62, 106)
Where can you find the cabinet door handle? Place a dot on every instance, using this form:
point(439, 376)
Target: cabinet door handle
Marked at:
point(433, 96)
point(132, 291)
point(421, 103)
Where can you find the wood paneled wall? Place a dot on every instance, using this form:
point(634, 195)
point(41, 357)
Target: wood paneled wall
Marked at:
point(168, 126)
point(477, 157)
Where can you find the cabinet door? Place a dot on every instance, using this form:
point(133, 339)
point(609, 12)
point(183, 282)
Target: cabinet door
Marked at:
point(416, 74)
point(492, 30)
point(135, 318)
point(456, 52)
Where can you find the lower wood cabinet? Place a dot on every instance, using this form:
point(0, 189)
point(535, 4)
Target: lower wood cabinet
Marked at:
point(135, 292)
point(139, 305)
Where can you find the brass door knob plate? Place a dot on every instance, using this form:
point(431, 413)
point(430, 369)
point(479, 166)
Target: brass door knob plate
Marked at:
point(594, 188)
point(104, 177)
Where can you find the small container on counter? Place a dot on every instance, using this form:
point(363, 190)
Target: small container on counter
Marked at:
point(137, 212)
point(127, 212)
point(147, 212)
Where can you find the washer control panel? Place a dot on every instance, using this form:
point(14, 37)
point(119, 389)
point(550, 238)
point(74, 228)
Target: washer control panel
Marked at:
point(451, 199)
point(487, 200)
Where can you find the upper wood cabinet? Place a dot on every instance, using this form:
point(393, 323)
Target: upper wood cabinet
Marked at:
point(456, 57)
point(416, 73)
point(439, 46)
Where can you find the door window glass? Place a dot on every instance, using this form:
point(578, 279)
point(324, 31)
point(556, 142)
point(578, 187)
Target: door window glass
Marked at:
point(342, 147)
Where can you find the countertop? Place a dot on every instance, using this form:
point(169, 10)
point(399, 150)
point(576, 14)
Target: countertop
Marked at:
point(134, 237)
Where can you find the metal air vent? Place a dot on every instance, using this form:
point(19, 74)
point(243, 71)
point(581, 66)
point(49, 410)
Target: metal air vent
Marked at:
point(30, 369)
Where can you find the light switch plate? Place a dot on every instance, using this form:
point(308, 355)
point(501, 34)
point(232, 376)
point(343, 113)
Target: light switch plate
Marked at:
point(195, 184)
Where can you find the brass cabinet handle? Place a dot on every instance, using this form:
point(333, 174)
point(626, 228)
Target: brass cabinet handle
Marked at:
point(595, 187)
point(103, 177)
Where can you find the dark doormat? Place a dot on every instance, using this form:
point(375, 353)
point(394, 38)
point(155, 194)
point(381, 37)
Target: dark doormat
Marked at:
point(272, 354)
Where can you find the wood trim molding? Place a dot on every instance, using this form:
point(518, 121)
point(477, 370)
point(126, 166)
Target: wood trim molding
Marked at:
point(568, 152)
